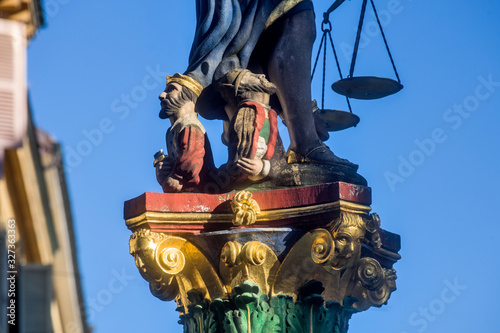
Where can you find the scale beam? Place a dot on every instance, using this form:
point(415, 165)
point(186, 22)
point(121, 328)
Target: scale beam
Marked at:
point(334, 6)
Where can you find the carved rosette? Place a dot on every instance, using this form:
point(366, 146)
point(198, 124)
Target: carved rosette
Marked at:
point(251, 279)
point(245, 208)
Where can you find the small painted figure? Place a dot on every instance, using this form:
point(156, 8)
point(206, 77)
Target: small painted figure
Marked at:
point(251, 131)
point(189, 158)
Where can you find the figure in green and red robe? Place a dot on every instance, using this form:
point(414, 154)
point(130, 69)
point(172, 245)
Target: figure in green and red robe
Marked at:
point(251, 131)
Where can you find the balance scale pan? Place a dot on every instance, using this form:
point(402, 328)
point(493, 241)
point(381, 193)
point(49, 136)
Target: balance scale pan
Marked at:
point(366, 87)
point(337, 120)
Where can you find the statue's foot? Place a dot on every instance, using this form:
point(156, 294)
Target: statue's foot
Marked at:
point(320, 154)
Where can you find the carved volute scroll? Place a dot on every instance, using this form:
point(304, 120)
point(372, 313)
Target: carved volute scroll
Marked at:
point(253, 261)
point(305, 262)
point(173, 267)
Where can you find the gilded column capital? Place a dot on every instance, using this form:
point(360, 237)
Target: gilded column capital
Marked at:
point(280, 259)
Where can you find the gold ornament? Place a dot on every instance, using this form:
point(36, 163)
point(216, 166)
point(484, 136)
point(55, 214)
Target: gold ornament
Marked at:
point(245, 208)
point(230, 253)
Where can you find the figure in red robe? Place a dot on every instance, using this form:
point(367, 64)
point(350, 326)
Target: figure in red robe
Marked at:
point(189, 159)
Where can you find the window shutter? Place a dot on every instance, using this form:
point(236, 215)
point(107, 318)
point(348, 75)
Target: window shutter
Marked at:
point(36, 294)
point(13, 91)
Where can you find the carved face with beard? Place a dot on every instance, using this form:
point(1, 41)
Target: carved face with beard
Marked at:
point(256, 83)
point(173, 98)
point(240, 84)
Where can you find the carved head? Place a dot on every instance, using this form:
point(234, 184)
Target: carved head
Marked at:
point(142, 246)
point(348, 233)
point(239, 84)
point(180, 89)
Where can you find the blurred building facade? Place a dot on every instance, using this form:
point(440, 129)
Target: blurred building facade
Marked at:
point(40, 281)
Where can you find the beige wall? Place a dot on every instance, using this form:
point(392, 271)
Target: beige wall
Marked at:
point(31, 193)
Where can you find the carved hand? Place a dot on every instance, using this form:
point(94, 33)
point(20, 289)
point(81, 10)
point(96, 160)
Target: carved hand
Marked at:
point(251, 167)
point(163, 169)
point(171, 185)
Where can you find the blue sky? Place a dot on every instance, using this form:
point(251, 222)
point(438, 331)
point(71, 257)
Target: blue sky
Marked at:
point(429, 152)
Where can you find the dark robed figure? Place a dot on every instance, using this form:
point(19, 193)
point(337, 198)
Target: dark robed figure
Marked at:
point(272, 37)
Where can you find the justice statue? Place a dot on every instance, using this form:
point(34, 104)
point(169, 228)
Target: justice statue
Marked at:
point(273, 39)
point(272, 240)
